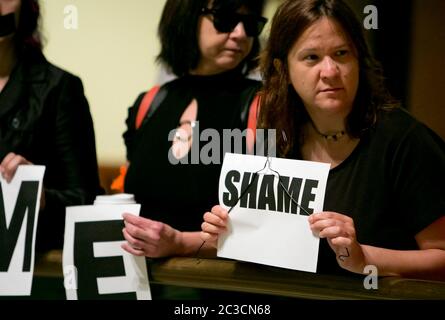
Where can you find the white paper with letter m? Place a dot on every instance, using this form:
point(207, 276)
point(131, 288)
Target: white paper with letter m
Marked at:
point(19, 210)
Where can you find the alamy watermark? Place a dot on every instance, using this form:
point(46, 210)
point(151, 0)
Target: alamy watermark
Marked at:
point(192, 146)
point(71, 17)
point(371, 21)
point(70, 277)
point(371, 281)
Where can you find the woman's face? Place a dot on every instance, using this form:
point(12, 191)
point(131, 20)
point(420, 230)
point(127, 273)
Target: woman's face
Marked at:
point(324, 69)
point(219, 51)
point(7, 7)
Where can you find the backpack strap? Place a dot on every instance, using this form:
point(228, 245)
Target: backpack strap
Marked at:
point(150, 102)
point(145, 105)
point(252, 123)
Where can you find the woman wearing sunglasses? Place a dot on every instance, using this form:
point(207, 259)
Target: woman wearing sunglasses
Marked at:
point(384, 204)
point(210, 46)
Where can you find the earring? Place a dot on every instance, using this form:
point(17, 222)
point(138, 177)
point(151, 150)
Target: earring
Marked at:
point(277, 64)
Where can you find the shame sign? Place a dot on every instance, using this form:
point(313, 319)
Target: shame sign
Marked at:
point(270, 184)
point(269, 201)
point(271, 192)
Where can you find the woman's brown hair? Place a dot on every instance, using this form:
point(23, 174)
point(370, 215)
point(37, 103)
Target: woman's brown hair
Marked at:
point(281, 107)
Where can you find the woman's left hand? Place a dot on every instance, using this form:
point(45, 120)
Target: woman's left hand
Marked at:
point(8, 168)
point(9, 165)
point(339, 230)
point(150, 238)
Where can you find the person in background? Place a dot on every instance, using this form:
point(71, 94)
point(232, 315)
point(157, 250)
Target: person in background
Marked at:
point(384, 203)
point(44, 120)
point(210, 46)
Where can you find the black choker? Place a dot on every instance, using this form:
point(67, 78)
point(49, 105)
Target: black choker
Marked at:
point(333, 137)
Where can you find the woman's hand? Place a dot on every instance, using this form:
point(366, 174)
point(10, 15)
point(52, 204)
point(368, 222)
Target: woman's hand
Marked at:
point(150, 238)
point(340, 233)
point(214, 224)
point(9, 165)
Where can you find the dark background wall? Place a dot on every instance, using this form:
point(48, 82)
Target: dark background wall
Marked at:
point(426, 90)
point(410, 44)
point(391, 41)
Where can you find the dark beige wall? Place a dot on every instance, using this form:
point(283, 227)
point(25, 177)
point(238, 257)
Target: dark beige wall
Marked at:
point(427, 85)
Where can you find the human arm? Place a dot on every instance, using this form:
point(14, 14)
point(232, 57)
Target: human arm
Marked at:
point(66, 146)
point(72, 171)
point(118, 183)
point(426, 263)
point(155, 239)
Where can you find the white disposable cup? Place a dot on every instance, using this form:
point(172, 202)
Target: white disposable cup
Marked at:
point(119, 198)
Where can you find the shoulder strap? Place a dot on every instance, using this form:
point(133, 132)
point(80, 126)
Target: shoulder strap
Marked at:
point(145, 105)
point(147, 101)
point(254, 108)
point(252, 123)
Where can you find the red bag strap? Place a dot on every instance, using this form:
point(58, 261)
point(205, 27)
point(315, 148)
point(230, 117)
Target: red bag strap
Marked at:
point(252, 122)
point(117, 184)
point(145, 105)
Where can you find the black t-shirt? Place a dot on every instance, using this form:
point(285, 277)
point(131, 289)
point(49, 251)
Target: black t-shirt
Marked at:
point(392, 185)
point(180, 194)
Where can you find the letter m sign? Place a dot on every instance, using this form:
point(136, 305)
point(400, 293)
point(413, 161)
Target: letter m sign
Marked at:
point(19, 206)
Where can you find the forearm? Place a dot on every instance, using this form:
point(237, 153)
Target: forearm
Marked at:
point(422, 264)
point(190, 242)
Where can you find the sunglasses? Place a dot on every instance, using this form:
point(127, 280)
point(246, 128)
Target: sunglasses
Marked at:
point(226, 22)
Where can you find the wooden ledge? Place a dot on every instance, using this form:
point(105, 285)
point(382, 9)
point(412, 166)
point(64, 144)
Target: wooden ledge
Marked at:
point(248, 277)
point(231, 275)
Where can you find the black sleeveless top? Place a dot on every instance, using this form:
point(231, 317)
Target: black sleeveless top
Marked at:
point(179, 194)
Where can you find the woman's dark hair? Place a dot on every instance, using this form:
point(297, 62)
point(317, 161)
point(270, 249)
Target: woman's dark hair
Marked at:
point(281, 107)
point(28, 35)
point(178, 32)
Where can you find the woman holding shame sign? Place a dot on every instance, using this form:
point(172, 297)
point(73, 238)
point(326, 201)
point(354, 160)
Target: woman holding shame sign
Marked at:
point(323, 90)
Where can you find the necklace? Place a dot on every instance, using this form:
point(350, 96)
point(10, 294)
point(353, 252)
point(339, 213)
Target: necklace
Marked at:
point(331, 136)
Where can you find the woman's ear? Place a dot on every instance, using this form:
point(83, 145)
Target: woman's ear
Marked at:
point(281, 69)
point(277, 64)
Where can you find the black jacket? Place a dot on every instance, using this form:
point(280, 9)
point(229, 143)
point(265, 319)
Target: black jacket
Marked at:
point(45, 117)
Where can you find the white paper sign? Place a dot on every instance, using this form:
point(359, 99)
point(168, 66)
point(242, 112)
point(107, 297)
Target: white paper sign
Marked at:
point(94, 263)
point(265, 225)
point(19, 210)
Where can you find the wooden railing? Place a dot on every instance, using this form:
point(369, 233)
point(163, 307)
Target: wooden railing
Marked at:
point(253, 278)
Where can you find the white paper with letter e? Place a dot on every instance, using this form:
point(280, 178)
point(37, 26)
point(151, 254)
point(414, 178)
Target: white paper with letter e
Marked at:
point(135, 279)
point(265, 225)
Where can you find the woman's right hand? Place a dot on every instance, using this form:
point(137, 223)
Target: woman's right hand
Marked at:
point(215, 223)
